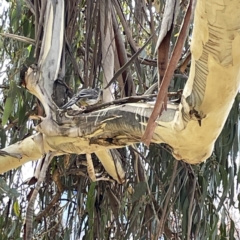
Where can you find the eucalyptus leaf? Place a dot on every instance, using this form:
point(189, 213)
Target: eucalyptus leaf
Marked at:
point(10, 192)
point(9, 105)
point(139, 191)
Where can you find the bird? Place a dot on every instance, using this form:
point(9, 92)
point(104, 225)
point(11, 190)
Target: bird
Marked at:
point(85, 97)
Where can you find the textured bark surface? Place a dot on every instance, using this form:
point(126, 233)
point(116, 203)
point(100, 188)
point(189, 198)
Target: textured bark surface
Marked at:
point(190, 128)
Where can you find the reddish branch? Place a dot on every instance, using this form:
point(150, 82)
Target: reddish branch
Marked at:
point(161, 98)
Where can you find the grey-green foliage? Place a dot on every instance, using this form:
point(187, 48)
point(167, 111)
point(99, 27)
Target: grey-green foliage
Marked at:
point(200, 197)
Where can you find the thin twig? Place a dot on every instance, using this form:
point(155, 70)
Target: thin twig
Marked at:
point(30, 6)
point(128, 63)
point(124, 24)
point(19, 38)
point(39, 28)
point(190, 209)
point(169, 195)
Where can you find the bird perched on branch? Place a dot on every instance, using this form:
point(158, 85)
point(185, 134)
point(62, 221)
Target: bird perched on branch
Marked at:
point(85, 97)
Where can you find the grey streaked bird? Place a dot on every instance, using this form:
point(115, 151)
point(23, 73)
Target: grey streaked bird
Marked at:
point(85, 97)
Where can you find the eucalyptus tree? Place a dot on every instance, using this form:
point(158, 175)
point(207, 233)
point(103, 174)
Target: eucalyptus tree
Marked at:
point(140, 165)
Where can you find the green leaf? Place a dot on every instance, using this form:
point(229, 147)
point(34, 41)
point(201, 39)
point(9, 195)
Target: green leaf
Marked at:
point(232, 230)
point(185, 216)
point(11, 192)
point(3, 138)
point(9, 102)
point(16, 208)
point(139, 191)
point(225, 184)
point(215, 220)
point(135, 213)
point(14, 224)
point(90, 208)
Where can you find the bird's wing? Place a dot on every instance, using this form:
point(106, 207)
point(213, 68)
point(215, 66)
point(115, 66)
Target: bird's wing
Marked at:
point(83, 94)
point(72, 101)
point(88, 93)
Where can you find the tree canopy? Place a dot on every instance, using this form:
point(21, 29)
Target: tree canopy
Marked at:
point(164, 140)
